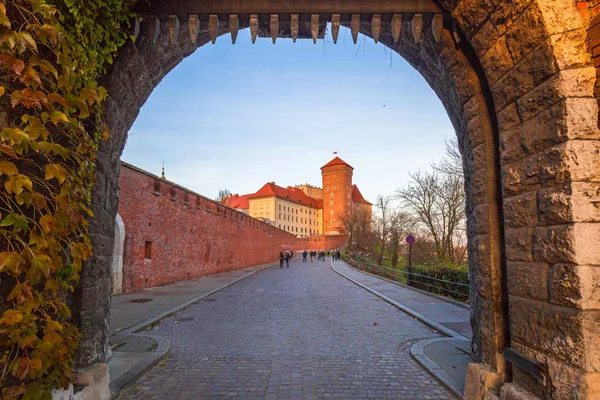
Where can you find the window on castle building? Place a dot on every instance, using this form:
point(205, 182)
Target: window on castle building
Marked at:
point(173, 194)
point(148, 250)
point(327, 188)
point(262, 206)
point(331, 194)
point(330, 212)
point(332, 221)
point(280, 207)
point(156, 187)
point(254, 207)
point(186, 199)
point(331, 203)
point(279, 226)
point(279, 215)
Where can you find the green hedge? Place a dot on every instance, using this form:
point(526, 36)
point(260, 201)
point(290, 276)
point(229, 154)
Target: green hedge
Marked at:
point(446, 280)
point(454, 276)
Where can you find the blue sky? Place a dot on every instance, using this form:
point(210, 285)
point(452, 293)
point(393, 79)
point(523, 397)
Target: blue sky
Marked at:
point(237, 116)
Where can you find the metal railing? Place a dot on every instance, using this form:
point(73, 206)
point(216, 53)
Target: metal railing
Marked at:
point(456, 290)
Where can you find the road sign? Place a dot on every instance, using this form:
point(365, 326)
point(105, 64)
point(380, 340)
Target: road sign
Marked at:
point(410, 239)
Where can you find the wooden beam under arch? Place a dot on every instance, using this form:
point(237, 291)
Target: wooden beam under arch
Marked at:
point(170, 7)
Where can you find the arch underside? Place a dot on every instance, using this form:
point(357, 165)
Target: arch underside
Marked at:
point(142, 65)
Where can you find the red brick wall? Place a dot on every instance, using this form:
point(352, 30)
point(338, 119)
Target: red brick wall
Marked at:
point(322, 242)
point(191, 235)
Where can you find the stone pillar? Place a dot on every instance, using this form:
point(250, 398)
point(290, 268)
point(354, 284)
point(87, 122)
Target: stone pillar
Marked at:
point(117, 265)
point(537, 67)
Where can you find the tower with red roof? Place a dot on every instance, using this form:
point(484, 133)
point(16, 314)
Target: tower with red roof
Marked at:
point(337, 194)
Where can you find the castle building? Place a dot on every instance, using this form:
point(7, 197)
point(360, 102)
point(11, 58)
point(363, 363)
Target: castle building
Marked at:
point(306, 210)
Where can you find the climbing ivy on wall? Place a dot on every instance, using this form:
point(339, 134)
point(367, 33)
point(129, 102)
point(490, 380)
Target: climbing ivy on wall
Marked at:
point(52, 53)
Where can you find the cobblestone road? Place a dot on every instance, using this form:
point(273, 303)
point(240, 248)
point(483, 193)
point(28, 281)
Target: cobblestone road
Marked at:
point(301, 332)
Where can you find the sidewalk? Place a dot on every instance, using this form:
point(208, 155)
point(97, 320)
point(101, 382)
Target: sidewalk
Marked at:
point(446, 358)
point(133, 353)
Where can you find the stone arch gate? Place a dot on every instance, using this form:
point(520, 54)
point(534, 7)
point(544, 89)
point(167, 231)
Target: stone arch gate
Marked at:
point(517, 81)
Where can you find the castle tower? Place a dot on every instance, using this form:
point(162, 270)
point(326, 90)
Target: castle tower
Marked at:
point(337, 194)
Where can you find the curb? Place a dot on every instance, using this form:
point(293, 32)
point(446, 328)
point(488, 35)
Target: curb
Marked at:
point(132, 374)
point(417, 351)
point(144, 324)
point(427, 321)
point(425, 292)
point(163, 345)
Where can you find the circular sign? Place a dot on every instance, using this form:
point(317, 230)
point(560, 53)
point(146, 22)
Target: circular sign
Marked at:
point(410, 239)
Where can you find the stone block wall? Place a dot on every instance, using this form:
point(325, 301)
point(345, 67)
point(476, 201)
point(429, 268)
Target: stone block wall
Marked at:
point(542, 82)
point(518, 83)
point(173, 234)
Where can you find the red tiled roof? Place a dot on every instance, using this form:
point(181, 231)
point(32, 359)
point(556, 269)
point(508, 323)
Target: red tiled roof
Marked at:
point(336, 161)
point(296, 195)
point(237, 201)
point(357, 196)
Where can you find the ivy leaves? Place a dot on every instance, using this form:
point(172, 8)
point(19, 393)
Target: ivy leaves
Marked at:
point(51, 56)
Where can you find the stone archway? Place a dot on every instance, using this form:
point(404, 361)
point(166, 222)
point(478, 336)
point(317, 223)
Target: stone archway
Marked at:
point(516, 81)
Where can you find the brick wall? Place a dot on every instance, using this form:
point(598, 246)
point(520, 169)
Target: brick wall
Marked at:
point(323, 242)
point(173, 234)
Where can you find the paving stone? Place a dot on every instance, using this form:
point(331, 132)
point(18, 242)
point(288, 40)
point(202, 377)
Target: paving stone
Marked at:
point(303, 332)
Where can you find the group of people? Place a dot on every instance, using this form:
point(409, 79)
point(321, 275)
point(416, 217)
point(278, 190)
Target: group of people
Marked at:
point(319, 255)
point(285, 257)
point(312, 254)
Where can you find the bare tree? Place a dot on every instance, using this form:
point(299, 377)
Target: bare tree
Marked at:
point(400, 225)
point(223, 195)
point(451, 164)
point(356, 225)
point(382, 223)
point(451, 168)
point(437, 201)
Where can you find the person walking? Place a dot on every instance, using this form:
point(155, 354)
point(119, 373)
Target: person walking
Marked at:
point(312, 254)
point(338, 255)
point(304, 255)
point(287, 258)
point(281, 257)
